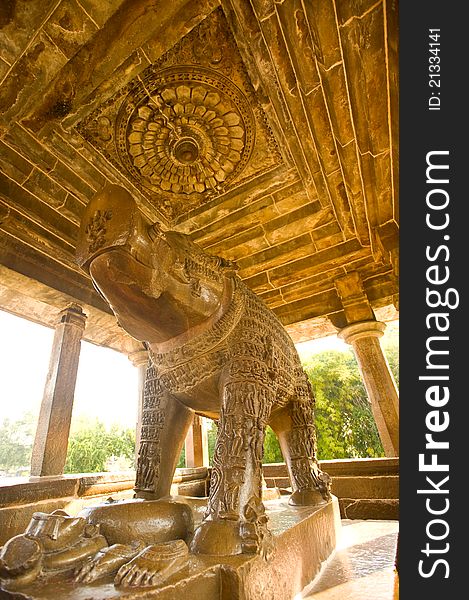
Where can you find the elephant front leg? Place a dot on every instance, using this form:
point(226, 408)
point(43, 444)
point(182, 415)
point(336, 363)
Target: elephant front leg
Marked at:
point(165, 422)
point(235, 521)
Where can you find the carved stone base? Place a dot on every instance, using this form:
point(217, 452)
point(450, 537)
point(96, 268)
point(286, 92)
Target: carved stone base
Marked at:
point(303, 538)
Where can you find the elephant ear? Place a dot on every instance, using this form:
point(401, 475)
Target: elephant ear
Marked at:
point(182, 243)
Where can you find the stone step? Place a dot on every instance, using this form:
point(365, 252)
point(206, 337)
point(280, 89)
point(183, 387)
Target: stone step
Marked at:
point(366, 489)
point(379, 486)
point(369, 508)
point(343, 466)
point(279, 482)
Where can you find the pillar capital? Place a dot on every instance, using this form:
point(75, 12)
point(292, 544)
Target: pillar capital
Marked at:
point(73, 314)
point(364, 329)
point(138, 358)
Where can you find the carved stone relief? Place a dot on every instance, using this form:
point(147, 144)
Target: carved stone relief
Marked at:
point(234, 361)
point(220, 352)
point(186, 132)
point(190, 127)
point(152, 423)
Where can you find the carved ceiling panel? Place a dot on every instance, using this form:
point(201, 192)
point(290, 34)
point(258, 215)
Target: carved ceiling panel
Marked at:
point(189, 128)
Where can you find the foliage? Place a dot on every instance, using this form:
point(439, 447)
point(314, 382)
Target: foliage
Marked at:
point(212, 438)
point(92, 447)
point(390, 345)
point(16, 442)
point(182, 459)
point(345, 426)
point(272, 452)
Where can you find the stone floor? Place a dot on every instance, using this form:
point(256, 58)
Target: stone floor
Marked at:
point(362, 567)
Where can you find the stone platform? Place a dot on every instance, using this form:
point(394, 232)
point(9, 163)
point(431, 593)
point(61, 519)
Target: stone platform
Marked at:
point(304, 538)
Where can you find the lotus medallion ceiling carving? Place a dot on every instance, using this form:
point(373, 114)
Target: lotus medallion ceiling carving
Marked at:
point(190, 127)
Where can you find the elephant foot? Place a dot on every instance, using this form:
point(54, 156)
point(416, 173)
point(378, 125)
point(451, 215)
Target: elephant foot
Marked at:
point(228, 538)
point(307, 497)
point(153, 565)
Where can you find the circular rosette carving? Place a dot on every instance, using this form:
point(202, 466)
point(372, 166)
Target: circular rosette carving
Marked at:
point(186, 133)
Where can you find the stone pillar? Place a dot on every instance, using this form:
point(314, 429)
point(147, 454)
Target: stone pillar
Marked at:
point(139, 359)
point(196, 444)
point(378, 379)
point(51, 441)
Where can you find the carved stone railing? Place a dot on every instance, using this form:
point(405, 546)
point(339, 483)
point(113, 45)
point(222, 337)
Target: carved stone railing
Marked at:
point(366, 486)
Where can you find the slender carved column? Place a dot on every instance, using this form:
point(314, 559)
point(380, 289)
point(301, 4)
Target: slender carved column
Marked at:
point(139, 359)
point(51, 441)
point(197, 444)
point(378, 379)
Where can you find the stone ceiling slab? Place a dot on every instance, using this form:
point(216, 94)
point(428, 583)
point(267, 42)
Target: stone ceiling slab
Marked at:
point(266, 131)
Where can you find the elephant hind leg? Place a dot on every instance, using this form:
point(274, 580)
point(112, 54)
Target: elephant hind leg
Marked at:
point(294, 427)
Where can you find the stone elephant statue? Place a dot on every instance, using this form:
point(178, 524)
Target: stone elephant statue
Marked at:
point(216, 350)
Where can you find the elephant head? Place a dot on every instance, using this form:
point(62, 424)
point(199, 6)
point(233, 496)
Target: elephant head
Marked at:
point(158, 283)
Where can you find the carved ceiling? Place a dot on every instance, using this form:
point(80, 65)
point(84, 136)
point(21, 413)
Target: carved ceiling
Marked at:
point(188, 128)
point(265, 130)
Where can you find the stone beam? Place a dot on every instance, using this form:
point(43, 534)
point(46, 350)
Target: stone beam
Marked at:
point(319, 327)
point(137, 32)
point(31, 299)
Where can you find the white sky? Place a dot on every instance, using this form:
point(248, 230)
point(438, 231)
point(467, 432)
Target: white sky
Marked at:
point(106, 383)
point(331, 342)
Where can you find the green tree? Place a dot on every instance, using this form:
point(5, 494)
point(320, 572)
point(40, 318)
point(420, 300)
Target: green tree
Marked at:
point(345, 426)
point(212, 432)
point(16, 442)
point(92, 446)
point(272, 452)
point(182, 459)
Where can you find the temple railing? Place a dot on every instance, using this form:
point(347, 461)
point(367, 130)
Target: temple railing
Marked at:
point(366, 488)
